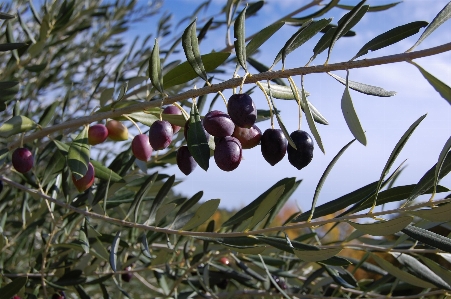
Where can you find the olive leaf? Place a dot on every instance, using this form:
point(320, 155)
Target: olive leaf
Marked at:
point(240, 38)
point(78, 154)
point(191, 48)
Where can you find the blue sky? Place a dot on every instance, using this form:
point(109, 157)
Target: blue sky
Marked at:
point(384, 119)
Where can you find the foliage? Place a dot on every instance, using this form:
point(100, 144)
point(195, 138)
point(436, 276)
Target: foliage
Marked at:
point(64, 65)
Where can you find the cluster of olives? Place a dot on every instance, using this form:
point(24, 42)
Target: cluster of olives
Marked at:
point(236, 130)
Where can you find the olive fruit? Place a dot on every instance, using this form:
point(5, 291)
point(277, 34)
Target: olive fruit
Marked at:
point(116, 130)
point(280, 282)
point(128, 275)
point(273, 146)
point(303, 155)
point(228, 153)
point(218, 123)
point(222, 284)
point(185, 160)
point(22, 159)
point(248, 138)
point(224, 260)
point(97, 134)
point(86, 181)
point(160, 134)
point(1, 186)
point(15, 297)
point(173, 110)
point(242, 110)
point(141, 147)
point(59, 295)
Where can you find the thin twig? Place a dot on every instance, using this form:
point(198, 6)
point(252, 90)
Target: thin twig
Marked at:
point(234, 82)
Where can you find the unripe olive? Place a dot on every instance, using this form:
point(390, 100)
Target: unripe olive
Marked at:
point(116, 130)
point(85, 182)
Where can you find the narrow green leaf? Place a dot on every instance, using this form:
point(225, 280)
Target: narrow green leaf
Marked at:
point(322, 11)
point(443, 89)
point(239, 30)
point(139, 196)
point(248, 211)
point(383, 228)
point(317, 255)
point(191, 47)
point(341, 276)
point(48, 114)
point(324, 176)
point(261, 37)
point(364, 88)
point(104, 173)
point(263, 68)
point(189, 204)
point(439, 19)
point(197, 141)
point(441, 160)
point(184, 72)
point(282, 125)
point(303, 35)
point(16, 124)
point(289, 190)
point(163, 211)
point(351, 118)
point(145, 118)
point(428, 179)
point(419, 270)
point(11, 46)
point(161, 195)
point(14, 287)
point(438, 214)
point(203, 213)
point(427, 237)
point(106, 95)
point(155, 68)
point(81, 292)
point(8, 84)
point(286, 245)
point(113, 251)
point(204, 30)
point(83, 237)
point(266, 205)
point(437, 269)
point(394, 154)
point(391, 37)
point(347, 22)
point(78, 154)
point(308, 113)
point(6, 16)
point(273, 282)
point(372, 8)
point(402, 275)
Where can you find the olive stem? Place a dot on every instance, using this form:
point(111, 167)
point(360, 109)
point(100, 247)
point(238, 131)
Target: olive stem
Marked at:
point(269, 103)
point(136, 125)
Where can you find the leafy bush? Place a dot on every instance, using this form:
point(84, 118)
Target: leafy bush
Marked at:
point(77, 226)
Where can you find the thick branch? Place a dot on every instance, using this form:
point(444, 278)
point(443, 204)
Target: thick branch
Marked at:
point(213, 234)
point(235, 82)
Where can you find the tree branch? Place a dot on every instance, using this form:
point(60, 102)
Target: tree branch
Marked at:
point(213, 234)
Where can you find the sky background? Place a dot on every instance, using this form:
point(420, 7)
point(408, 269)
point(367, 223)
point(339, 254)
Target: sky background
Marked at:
point(384, 119)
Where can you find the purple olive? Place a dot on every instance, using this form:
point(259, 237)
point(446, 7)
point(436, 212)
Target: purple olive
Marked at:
point(228, 153)
point(242, 110)
point(248, 138)
point(273, 146)
point(22, 160)
point(141, 147)
point(173, 110)
point(218, 124)
point(185, 160)
point(160, 134)
point(303, 155)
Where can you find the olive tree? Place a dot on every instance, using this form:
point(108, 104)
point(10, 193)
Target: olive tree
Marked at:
point(87, 210)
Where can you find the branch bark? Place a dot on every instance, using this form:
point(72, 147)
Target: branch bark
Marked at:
point(235, 82)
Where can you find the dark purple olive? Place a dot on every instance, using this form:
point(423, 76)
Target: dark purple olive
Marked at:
point(22, 160)
point(303, 155)
point(160, 134)
point(218, 124)
point(173, 110)
point(248, 138)
point(59, 295)
point(141, 147)
point(1, 186)
point(128, 275)
point(185, 161)
point(228, 153)
point(280, 282)
point(222, 284)
point(242, 110)
point(273, 146)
